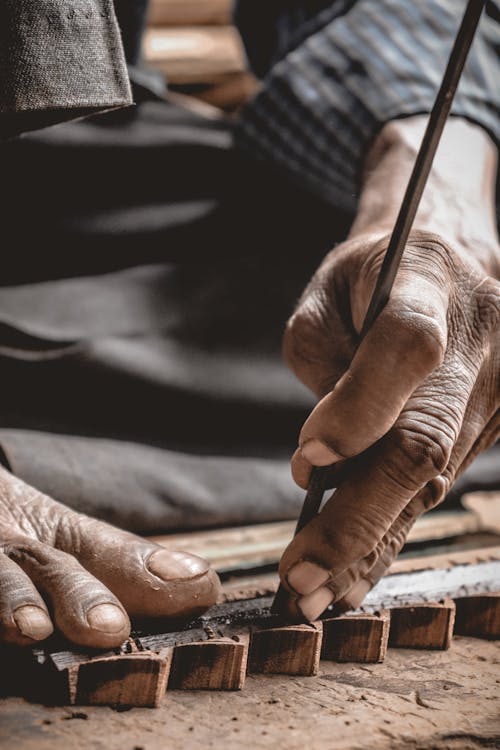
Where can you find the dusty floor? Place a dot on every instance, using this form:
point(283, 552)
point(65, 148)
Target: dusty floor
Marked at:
point(414, 700)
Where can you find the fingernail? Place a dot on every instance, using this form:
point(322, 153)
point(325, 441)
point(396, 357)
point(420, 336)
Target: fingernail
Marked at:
point(355, 596)
point(33, 622)
point(170, 565)
point(313, 605)
point(106, 617)
point(305, 577)
point(318, 454)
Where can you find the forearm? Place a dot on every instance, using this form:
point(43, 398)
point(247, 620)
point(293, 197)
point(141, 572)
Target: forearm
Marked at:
point(459, 200)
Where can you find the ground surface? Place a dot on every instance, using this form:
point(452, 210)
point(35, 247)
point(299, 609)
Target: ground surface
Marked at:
point(416, 699)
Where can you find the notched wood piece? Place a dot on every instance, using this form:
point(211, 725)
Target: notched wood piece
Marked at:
point(478, 616)
point(427, 626)
point(138, 679)
point(216, 664)
point(357, 638)
point(293, 650)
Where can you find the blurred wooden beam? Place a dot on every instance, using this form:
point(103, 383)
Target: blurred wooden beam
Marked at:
point(263, 544)
point(189, 12)
point(195, 54)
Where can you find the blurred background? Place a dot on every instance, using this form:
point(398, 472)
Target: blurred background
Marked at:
point(194, 43)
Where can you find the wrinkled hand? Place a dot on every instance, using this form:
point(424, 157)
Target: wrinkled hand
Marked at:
point(63, 569)
point(402, 415)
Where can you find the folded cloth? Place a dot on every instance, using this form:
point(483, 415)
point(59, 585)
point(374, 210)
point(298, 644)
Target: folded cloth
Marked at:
point(58, 61)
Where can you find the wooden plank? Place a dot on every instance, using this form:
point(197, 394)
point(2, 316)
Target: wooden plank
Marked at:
point(478, 616)
point(195, 54)
point(293, 650)
point(393, 583)
point(263, 544)
point(216, 664)
point(138, 679)
point(356, 638)
point(222, 666)
point(441, 561)
point(188, 12)
point(426, 626)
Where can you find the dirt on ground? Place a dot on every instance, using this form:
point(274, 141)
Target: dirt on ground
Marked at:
point(415, 699)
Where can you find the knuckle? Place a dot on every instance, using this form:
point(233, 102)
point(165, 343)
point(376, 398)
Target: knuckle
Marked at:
point(308, 342)
point(304, 328)
point(425, 453)
point(488, 306)
point(420, 332)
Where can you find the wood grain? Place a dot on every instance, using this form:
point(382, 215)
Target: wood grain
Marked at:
point(127, 680)
point(478, 616)
point(357, 638)
point(427, 626)
point(293, 650)
point(217, 664)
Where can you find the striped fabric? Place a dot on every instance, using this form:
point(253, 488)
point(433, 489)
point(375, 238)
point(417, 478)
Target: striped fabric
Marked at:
point(335, 73)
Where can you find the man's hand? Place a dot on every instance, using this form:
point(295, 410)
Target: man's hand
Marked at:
point(405, 412)
point(62, 569)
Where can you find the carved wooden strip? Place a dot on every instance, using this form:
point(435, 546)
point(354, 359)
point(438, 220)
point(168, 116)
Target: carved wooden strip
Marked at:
point(217, 664)
point(293, 650)
point(457, 578)
point(127, 680)
point(428, 626)
point(478, 616)
point(358, 638)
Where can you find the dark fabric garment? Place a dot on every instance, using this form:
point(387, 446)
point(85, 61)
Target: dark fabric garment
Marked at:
point(149, 268)
point(334, 72)
point(149, 271)
point(58, 61)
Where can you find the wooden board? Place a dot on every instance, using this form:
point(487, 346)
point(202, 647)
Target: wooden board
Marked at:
point(478, 616)
point(394, 586)
point(218, 664)
point(428, 626)
point(195, 55)
point(356, 638)
point(293, 650)
point(263, 544)
point(188, 12)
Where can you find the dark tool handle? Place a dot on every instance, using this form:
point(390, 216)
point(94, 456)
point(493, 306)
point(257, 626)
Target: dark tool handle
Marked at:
point(402, 227)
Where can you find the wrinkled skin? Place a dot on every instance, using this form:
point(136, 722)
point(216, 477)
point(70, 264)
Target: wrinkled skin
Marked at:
point(408, 411)
point(404, 413)
point(62, 569)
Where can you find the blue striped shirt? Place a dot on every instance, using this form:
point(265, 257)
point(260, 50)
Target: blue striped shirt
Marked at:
point(334, 72)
